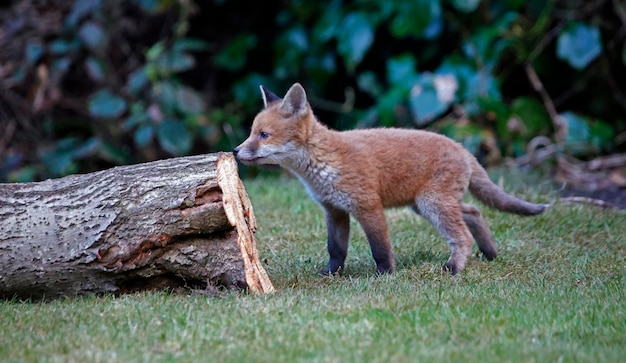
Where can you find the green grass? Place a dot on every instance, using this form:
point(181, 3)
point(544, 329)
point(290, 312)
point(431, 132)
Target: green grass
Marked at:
point(557, 292)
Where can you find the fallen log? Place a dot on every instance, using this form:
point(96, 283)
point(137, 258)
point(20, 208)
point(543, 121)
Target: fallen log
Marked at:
point(169, 224)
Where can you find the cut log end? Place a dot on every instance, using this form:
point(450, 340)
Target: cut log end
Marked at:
point(182, 223)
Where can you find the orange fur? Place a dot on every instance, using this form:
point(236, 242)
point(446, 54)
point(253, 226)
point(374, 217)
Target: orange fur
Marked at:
point(361, 172)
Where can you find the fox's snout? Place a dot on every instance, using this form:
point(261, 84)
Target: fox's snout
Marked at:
point(246, 153)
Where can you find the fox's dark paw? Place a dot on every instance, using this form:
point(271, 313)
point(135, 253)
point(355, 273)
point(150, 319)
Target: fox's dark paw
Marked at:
point(489, 254)
point(452, 268)
point(328, 272)
point(384, 271)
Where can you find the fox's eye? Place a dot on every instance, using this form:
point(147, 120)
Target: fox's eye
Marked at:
point(263, 135)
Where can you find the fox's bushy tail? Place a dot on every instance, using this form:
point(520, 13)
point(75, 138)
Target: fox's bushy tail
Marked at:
point(493, 196)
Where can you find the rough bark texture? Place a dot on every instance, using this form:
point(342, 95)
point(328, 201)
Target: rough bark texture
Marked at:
point(182, 222)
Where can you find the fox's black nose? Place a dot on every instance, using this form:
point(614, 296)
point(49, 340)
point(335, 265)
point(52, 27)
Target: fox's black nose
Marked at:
point(235, 151)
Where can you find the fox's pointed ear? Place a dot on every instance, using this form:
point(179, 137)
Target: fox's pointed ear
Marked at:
point(268, 96)
point(294, 103)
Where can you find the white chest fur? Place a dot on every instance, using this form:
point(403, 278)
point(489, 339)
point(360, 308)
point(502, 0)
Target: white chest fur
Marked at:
point(320, 181)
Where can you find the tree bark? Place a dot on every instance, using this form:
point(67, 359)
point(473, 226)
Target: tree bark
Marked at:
point(175, 223)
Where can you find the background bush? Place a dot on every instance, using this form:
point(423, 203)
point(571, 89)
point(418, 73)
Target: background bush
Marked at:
point(88, 84)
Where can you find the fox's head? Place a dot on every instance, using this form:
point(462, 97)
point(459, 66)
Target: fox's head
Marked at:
point(279, 131)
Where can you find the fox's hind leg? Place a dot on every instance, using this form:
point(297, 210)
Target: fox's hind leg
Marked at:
point(373, 222)
point(445, 214)
point(480, 231)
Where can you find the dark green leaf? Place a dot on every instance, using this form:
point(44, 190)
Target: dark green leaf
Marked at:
point(172, 61)
point(86, 149)
point(296, 38)
point(166, 94)
point(602, 135)
point(138, 117)
point(388, 104)
point(532, 113)
point(368, 83)
point(465, 6)
point(479, 85)
point(104, 104)
point(233, 56)
point(95, 69)
point(498, 111)
point(431, 96)
point(149, 6)
point(114, 154)
point(23, 175)
point(143, 135)
point(80, 9)
point(189, 101)
point(424, 105)
point(354, 39)
point(579, 45)
point(60, 65)
point(190, 44)
point(93, 36)
point(137, 80)
point(328, 25)
point(61, 159)
point(155, 51)
point(578, 132)
point(61, 47)
point(34, 51)
point(174, 137)
point(420, 18)
point(247, 90)
point(401, 70)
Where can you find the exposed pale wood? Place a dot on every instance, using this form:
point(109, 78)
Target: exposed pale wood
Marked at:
point(239, 212)
point(175, 223)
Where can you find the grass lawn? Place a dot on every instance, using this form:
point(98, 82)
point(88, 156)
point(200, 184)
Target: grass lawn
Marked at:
point(556, 292)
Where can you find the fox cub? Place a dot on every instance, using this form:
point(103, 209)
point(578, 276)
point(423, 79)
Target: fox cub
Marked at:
point(361, 172)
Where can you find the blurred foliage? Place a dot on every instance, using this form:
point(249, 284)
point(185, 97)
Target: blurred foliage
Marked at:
point(87, 84)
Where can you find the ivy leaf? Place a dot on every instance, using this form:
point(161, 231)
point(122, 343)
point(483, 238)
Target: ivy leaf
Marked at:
point(94, 37)
point(34, 52)
point(137, 80)
point(432, 96)
point(104, 104)
point(579, 45)
point(143, 135)
point(465, 6)
point(233, 57)
point(420, 18)
point(174, 137)
point(174, 61)
point(80, 9)
point(388, 104)
point(368, 82)
point(190, 44)
point(95, 69)
point(578, 132)
point(354, 39)
point(532, 114)
point(401, 69)
point(188, 100)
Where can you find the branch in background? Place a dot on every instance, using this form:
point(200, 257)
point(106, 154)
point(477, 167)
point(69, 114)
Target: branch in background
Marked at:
point(539, 149)
point(591, 201)
point(611, 161)
point(559, 125)
point(339, 107)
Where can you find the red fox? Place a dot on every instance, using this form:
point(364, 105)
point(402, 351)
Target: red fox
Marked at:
point(361, 172)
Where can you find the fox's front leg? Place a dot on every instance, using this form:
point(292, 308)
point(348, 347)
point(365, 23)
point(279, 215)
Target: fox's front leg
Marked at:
point(338, 224)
